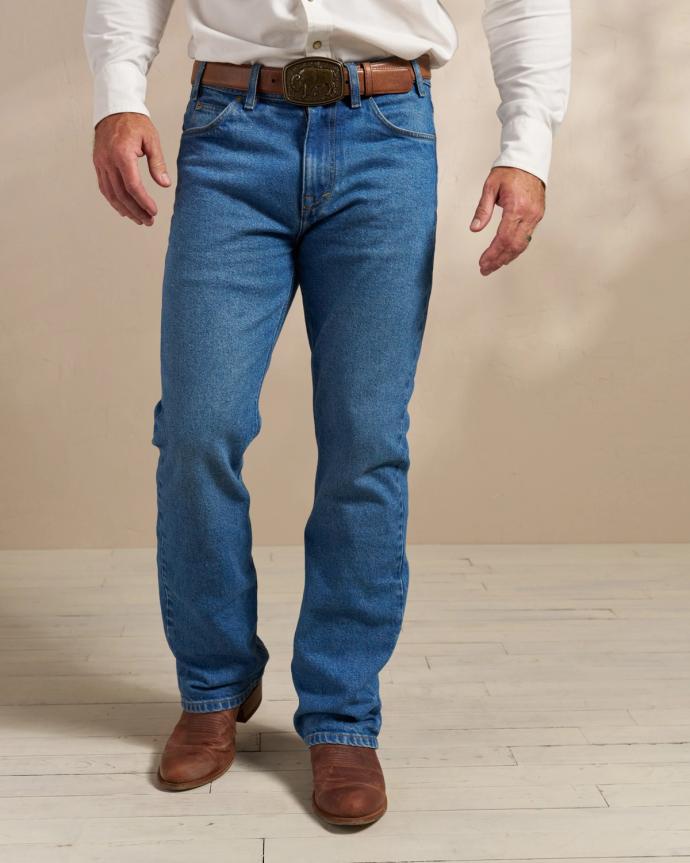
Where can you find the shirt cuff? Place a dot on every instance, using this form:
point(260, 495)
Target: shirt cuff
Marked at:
point(526, 143)
point(119, 87)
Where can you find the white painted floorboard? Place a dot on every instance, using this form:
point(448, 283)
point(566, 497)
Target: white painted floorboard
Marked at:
point(537, 708)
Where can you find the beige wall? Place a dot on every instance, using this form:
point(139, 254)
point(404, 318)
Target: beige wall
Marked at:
point(552, 398)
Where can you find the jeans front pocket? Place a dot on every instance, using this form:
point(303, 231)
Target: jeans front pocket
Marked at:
point(209, 109)
point(405, 114)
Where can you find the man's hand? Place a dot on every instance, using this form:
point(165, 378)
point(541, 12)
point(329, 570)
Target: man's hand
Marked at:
point(521, 197)
point(120, 140)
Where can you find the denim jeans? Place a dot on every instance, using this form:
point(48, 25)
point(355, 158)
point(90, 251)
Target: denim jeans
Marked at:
point(340, 201)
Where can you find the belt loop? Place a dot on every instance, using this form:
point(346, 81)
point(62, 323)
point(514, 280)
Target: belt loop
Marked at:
point(250, 98)
point(368, 81)
point(353, 76)
point(196, 80)
point(418, 80)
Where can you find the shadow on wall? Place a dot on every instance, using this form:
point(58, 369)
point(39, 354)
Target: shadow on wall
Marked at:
point(563, 412)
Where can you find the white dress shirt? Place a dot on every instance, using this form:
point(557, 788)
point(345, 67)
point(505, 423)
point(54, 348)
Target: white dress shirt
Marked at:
point(529, 43)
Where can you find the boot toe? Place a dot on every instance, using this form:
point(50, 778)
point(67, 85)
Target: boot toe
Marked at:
point(352, 802)
point(190, 766)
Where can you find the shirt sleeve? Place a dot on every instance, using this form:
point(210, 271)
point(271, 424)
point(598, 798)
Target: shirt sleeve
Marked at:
point(530, 48)
point(121, 38)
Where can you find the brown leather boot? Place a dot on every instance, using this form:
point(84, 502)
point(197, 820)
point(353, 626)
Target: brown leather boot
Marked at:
point(348, 784)
point(202, 745)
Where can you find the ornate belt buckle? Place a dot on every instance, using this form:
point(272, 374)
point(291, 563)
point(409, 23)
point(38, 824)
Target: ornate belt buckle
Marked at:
point(313, 81)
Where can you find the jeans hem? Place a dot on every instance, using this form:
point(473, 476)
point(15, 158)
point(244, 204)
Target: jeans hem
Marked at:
point(346, 738)
point(213, 705)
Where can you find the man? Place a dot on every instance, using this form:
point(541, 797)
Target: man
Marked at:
point(307, 159)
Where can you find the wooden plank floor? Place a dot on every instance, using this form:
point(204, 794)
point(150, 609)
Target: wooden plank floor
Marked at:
point(537, 708)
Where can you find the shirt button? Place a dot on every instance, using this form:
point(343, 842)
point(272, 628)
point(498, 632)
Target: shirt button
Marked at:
point(316, 44)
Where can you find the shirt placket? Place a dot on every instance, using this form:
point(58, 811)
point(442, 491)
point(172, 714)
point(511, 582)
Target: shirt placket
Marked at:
point(317, 40)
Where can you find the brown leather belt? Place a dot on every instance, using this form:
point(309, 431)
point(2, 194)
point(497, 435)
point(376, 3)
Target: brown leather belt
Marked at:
point(317, 80)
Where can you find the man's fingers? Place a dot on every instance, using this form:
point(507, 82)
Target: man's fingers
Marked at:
point(514, 231)
point(121, 207)
point(485, 207)
point(501, 252)
point(108, 193)
point(494, 257)
point(130, 204)
point(154, 156)
point(131, 180)
point(499, 255)
point(510, 241)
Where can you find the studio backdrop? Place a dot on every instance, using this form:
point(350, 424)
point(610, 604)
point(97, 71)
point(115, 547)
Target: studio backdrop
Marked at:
point(551, 402)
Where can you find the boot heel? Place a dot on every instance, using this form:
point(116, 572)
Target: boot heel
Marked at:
point(249, 707)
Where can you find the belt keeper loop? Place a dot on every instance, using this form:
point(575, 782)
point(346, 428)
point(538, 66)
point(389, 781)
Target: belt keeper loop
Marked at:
point(353, 78)
point(419, 83)
point(250, 98)
point(368, 80)
point(196, 79)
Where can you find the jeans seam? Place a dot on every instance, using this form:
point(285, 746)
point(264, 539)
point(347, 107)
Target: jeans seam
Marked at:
point(271, 347)
point(163, 569)
point(332, 147)
point(401, 519)
point(409, 388)
point(208, 705)
point(350, 738)
point(303, 209)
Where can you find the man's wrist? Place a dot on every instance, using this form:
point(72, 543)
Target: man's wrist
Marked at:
point(120, 114)
point(495, 167)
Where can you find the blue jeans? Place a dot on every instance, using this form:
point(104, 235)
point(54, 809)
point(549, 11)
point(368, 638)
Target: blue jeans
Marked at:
point(339, 200)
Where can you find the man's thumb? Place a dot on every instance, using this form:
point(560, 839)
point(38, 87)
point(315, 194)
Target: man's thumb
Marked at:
point(485, 208)
point(154, 157)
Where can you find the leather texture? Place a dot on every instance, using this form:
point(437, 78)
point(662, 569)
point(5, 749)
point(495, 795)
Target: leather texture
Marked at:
point(202, 745)
point(393, 75)
point(349, 787)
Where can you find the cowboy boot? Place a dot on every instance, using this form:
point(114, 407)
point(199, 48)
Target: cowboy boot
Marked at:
point(349, 787)
point(202, 745)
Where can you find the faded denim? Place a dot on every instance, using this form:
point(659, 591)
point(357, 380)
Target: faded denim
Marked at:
point(340, 201)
